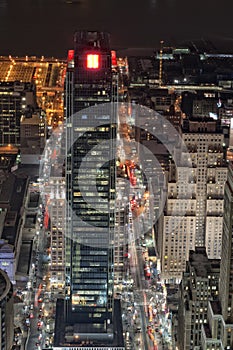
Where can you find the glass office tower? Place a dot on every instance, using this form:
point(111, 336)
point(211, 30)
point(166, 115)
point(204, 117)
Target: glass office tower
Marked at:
point(90, 91)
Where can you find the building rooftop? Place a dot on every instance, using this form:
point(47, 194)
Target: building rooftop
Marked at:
point(200, 262)
point(24, 258)
point(35, 119)
point(30, 220)
point(43, 72)
point(151, 251)
point(30, 170)
point(12, 195)
point(65, 330)
point(216, 307)
point(2, 220)
point(6, 190)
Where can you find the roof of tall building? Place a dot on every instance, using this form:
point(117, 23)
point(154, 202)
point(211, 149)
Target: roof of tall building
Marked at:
point(201, 264)
point(12, 194)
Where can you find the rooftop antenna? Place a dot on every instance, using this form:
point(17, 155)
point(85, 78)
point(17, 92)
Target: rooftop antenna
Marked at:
point(161, 63)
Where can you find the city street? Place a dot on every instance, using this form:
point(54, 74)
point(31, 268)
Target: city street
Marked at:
point(145, 319)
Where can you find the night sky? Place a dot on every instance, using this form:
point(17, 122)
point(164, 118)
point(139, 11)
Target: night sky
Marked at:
point(46, 27)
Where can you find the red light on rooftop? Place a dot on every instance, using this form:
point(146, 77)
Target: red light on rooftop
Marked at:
point(70, 55)
point(114, 59)
point(93, 61)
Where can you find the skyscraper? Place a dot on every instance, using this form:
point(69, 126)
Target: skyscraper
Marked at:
point(193, 214)
point(199, 285)
point(217, 333)
point(90, 114)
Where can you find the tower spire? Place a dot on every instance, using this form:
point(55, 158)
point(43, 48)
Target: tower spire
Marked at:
point(161, 63)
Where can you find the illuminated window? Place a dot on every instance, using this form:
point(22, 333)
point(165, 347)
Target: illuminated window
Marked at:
point(93, 61)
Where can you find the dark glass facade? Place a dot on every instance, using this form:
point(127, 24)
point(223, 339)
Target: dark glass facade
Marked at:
point(90, 178)
point(10, 112)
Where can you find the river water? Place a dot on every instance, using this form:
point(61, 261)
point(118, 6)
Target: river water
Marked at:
point(46, 27)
